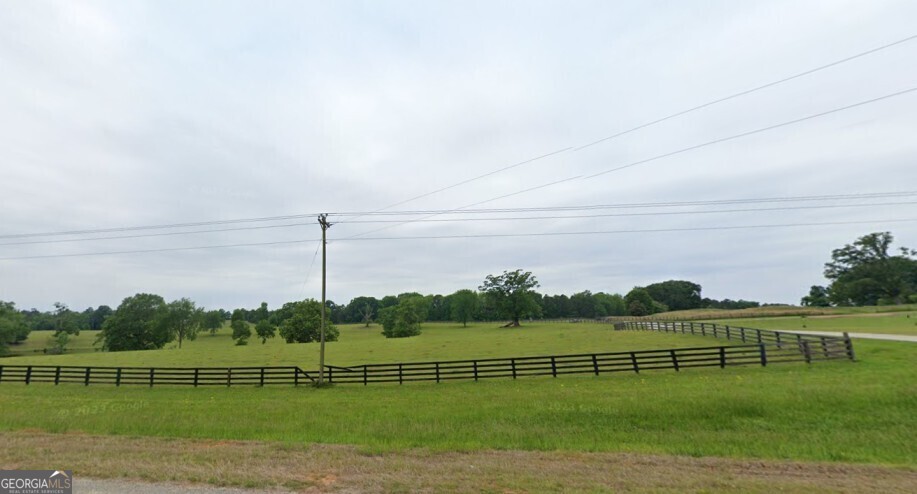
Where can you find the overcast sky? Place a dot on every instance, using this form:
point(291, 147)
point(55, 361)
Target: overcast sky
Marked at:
point(129, 113)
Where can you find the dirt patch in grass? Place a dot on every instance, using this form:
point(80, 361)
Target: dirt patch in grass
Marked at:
point(347, 469)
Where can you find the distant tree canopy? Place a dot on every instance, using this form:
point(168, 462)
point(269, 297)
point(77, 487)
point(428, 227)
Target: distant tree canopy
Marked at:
point(464, 305)
point(137, 324)
point(13, 328)
point(301, 322)
point(676, 294)
point(512, 293)
point(865, 273)
point(404, 319)
point(817, 297)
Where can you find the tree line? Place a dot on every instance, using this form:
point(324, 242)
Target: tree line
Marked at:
point(867, 272)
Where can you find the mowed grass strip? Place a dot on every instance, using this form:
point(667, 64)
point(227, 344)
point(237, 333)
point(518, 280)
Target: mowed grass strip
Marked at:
point(837, 411)
point(358, 345)
point(327, 468)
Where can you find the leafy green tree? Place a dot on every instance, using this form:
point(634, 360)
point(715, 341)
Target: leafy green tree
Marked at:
point(58, 343)
point(95, 317)
point(639, 302)
point(13, 328)
point(610, 305)
point(513, 294)
point(676, 294)
point(304, 323)
point(464, 305)
point(183, 319)
point(404, 319)
point(817, 297)
point(137, 324)
point(261, 313)
point(212, 321)
point(864, 273)
point(241, 331)
point(264, 329)
point(65, 320)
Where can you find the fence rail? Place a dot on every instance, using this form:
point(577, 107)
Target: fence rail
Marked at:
point(758, 347)
point(811, 347)
point(557, 365)
point(150, 376)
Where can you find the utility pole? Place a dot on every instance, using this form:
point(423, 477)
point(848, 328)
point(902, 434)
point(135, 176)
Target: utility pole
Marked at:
point(323, 221)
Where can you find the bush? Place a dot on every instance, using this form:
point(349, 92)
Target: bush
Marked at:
point(403, 320)
point(304, 322)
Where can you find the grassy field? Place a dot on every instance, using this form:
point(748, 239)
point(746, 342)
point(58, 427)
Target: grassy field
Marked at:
point(359, 345)
point(839, 412)
point(888, 323)
point(780, 311)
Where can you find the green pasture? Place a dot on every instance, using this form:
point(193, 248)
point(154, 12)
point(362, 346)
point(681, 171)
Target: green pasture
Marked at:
point(904, 323)
point(358, 345)
point(781, 311)
point(828, 411)
point(838, 411)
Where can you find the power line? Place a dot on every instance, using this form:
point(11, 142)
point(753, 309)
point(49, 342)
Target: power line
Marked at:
point(749, 91)
point(467, 236)
point(159, 227)
point(662, 213)
point(593, 207)
point(149, 251)
point(710, 202)
point(164, 234)
point(603, 232)
point(669, 117)
point(672, 153)
point(757, 131)
point(553, 153)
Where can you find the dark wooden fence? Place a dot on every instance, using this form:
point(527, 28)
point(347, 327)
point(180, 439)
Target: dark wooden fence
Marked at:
point(557, 365)
point(811, 347)
point(149, 376)
point(758, 347)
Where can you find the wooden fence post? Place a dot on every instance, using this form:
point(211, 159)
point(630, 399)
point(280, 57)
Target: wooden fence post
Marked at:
point(824, 347)
point(196, 372)
point(633, 360)
point(437, 372)
point(779, 343)
point(674, 360)
point(401, 374)
point(365, 376)
point(848, 343)
point(330, 372)
point(474, 364)
point(763, 355)
point(295, 377)
point(261, 382)
point(742, 332)
point(807, 351)
point(703, 329)
point(728, 333)
point(512, 363)
point(595, 364)
point(118, 377)
point(28, 375)
point(1, 373)
point(722, 357)
point(86, 382)
point(152, 375)
point(553, 366)
point(229, 377)
point(57, 376)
